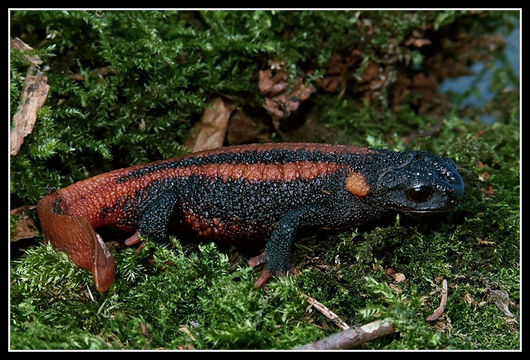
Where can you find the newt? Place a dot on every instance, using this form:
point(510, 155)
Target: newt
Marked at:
point(247, 194)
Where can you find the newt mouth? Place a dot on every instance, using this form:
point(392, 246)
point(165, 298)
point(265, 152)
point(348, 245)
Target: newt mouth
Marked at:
point(433, 212)
point(452, 206)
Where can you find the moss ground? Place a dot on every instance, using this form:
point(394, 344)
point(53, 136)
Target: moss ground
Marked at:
point(166, 66)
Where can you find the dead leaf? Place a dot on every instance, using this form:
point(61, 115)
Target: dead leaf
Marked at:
point(399, 277)
point(32, 99)
point(99, 72)
point(210, 131)
point(337, 69)
point(396, 288)
point(187, 331)
point(418, 42)
point(443, 301)
point(512, 324)
point(280, 98)
point(276, 64)
point(443, 324)
point(423, 89)
point(272, 83)
point(425, 83)
point(142, 125)
point(484, 176)
point(502, 300)
point(145, 331)
point(329, 83)
point(489, 191)
point(26, 228)
point(484, 242)
point(273, 106)
point(16, 43)
point(241, 129)
point(371, 72)
point(468, 299)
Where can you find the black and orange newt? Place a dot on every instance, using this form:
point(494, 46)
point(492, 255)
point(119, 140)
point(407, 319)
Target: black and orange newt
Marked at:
point(244, 194)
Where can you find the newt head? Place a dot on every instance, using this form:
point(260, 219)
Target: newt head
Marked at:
point(419, 183)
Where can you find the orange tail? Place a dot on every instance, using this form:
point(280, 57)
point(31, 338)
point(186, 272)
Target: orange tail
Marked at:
point(76, 237)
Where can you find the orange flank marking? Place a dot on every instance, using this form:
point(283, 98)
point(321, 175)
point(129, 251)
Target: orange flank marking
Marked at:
point(357, 185)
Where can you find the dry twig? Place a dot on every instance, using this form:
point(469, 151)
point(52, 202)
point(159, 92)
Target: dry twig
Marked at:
point(352, 337)
point(327, 312)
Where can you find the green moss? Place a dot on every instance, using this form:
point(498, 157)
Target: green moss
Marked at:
point(218, 307)
point(166, 66)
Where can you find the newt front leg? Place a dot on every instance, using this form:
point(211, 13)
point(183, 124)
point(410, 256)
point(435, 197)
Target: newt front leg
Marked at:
point(277, 254)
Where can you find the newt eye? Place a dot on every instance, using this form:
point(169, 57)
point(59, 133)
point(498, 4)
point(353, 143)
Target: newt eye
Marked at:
point(420, 193)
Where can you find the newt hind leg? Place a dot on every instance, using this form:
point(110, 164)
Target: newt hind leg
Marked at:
point(276, 257)
point(277, 254)
point(154, 222)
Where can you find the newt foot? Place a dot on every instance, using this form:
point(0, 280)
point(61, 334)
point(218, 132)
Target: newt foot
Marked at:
point(268, 270)
point(133, 240)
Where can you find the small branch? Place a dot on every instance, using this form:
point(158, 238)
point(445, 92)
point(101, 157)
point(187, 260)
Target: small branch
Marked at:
point(352, 337)
point(438, 312)
point(326, 312)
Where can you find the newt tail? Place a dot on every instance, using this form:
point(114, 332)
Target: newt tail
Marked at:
point(75, 236)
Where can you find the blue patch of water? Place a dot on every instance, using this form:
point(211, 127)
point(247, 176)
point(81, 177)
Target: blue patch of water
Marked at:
point(477, 86)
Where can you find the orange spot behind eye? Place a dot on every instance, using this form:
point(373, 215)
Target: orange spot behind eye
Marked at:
point(357, 185)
